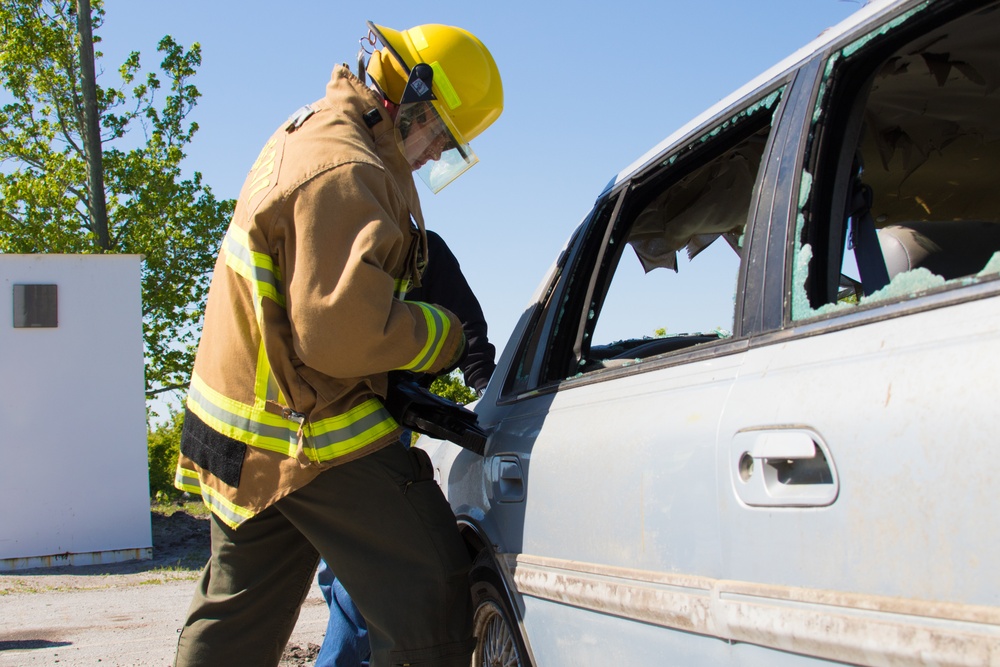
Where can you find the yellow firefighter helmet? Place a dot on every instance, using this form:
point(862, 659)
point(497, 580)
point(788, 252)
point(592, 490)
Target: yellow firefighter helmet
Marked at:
point(444, 72)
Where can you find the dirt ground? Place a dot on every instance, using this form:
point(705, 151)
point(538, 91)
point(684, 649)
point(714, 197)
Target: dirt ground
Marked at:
point(125, 614)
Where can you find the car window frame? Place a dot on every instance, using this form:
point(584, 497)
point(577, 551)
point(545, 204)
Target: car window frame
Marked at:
point(535, 346)
point(865, 53)
point(528, 356)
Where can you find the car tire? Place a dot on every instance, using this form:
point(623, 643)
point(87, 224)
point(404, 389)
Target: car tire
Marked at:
point(498, 641)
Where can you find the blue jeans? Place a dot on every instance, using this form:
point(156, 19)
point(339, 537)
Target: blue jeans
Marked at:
point(346, 642)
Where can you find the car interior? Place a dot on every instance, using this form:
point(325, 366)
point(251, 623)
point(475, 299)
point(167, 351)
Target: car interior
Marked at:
point(669, 228)
point(915, 161)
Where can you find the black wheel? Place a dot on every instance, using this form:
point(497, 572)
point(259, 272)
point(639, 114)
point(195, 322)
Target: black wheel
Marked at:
point(498, 642)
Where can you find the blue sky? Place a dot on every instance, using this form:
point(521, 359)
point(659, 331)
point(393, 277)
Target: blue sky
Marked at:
point(589, 87)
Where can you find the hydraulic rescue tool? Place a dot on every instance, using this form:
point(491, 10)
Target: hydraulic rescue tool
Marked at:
point(415, 407)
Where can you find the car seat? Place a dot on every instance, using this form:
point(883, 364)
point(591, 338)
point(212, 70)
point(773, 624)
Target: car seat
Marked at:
point(949, 248)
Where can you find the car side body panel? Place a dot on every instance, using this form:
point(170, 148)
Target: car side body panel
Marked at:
point(816, 488)
point(904, 557)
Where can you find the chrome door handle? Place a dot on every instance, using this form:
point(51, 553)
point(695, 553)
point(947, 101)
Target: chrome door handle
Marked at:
point(782, 467)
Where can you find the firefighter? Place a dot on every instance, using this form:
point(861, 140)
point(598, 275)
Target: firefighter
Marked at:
point(285, 434)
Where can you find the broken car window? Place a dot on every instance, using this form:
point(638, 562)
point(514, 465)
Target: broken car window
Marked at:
point(904, 197)
point(667, 278)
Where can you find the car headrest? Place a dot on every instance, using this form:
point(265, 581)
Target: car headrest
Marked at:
point(950, 248)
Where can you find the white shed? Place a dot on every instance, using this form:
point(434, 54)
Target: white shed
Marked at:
point(74, 484)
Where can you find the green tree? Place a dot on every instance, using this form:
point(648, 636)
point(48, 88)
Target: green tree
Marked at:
point(75, 177)
point(164, 443)
point(453, 388)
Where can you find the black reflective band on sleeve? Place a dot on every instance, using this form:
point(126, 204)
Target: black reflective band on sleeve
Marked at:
point(220, 455)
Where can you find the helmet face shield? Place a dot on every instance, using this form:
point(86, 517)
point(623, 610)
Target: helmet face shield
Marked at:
point(447, 89)
point(432, 145)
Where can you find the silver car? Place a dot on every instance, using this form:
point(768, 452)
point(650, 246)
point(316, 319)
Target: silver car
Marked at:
point(790, 461)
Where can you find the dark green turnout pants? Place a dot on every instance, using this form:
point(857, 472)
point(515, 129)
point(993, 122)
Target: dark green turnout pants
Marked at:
point(385, 528)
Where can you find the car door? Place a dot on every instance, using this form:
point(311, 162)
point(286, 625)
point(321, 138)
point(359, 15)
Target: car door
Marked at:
point(857, 457)
point(601, 472)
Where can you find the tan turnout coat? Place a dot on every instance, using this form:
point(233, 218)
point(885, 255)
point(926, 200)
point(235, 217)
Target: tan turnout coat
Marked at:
point(305, 313)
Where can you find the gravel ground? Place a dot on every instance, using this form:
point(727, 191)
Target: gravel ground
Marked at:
point(127, 614)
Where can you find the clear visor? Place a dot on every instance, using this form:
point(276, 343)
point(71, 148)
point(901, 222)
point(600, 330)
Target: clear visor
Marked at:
point(434, 149)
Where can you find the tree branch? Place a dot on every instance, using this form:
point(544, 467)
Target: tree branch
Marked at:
point(66, 134)
point(13, 218)
point(150, 393)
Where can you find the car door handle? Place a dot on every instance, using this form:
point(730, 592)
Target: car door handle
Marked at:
point(507, 479)
point(782, 467)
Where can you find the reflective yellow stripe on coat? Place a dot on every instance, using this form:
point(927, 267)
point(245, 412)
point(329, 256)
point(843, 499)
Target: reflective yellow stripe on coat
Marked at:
point(438, 327)
point(257, 267)
point(322, 440)
point(230, 514)
point(256, 426)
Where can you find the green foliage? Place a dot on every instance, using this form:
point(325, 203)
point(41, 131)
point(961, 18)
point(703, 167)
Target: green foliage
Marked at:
point(453, 388)
point(164, 442)
point(174, 222)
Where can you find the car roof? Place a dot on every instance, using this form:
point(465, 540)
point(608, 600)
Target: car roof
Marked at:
point(872, 9)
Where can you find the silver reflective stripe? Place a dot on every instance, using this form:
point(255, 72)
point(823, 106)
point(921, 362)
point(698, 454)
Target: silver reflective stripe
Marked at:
point(273, 393)
point(323, 439)
point(287, 435)
point(330, 441)
point(230, 514)
point(402, 287)
point(256, 267)
point(187, 480)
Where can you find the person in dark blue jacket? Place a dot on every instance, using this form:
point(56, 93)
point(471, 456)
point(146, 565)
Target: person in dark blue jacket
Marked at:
point(442, 283)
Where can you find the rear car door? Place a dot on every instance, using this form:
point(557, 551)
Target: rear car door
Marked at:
point(857, 458)
point(601, 472)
